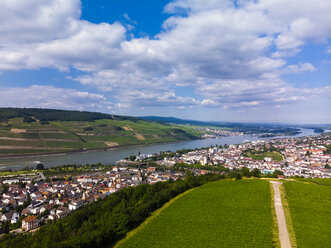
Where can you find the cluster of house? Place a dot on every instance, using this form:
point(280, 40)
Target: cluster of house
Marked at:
point(35, 202)
point(304, 156)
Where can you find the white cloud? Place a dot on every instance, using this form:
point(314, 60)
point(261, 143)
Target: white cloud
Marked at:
point(295, 69)
point(139, 98)
point(51, 97)
point(24, 21)
point(196, 5)
point(232, 55)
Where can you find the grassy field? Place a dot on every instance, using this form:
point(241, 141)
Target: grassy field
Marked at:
point(319, 181)
point(220, 214)
point(20, 138)
point(309, 205)
point(276, 156)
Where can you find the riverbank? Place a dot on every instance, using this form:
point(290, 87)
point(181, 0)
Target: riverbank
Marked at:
point(113, 155)
point(18, 156)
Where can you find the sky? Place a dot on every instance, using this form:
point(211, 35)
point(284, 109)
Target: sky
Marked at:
point(215, 60)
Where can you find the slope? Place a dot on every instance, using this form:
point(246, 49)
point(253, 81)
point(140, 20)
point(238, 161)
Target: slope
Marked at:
point(36, 131)
point(219, 214)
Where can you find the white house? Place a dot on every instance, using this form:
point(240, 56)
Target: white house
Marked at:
point(76, 204)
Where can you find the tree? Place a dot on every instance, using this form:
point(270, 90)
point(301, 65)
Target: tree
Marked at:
point(238, 176)
point(19, 208)
point(5, 227)
point(256, 172)
point(4, 188)
point(308, 154)
point(245, 172)
point(40, 167)
point(132, 157)
point(28, 119)
point(27, 202)
point(276, 173)
point(327, 166)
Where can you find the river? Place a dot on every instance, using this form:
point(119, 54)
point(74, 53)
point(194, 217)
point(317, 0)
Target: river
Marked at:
point(113, 155)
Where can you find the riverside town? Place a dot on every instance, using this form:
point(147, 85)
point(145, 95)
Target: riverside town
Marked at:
point(34, 197)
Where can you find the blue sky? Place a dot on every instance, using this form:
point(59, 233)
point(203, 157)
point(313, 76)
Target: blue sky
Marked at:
point(248, 61)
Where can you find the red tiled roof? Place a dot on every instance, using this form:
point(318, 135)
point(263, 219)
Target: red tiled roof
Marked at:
point(30, 218)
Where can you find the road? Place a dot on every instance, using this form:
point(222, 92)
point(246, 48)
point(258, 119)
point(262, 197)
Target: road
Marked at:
point(282, 228)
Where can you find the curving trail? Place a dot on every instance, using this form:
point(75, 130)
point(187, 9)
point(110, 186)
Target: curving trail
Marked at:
point(283, 233)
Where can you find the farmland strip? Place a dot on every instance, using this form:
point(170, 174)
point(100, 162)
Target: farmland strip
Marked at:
point(24, 139)
point(34, 147)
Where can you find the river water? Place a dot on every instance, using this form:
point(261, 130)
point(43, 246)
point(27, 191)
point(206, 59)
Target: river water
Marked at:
point(113, 155)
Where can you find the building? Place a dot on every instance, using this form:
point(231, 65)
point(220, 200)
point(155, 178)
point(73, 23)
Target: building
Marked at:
point(268, 159)
point(62, 212)
point(76, 204)
point(151, 169)
point(30, 222)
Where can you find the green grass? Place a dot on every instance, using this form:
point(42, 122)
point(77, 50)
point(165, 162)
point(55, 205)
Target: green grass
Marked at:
point(276, 156)
point(36, 143)
point(16, 173)
point(319, 181)
point(5, 152)
point(309, 206)
point(288, 217)
point(219, 214)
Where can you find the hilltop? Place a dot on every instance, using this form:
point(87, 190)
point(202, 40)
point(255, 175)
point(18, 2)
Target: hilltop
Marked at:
point(25, 131)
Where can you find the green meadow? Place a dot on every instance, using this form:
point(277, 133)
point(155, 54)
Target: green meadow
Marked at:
point(220, 214)
point(309, 202)
point(276, 156)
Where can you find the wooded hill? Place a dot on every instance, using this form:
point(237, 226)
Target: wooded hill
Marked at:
point(57, 115)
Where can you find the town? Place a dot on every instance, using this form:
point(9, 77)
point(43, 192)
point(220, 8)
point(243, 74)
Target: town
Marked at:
point(304, 156)
point(30, 200)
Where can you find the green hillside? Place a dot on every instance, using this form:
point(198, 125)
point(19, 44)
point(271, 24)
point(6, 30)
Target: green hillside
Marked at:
point(40, 131)
point(219, 214)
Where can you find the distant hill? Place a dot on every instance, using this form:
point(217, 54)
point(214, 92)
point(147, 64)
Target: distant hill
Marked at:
point(177, 120)
point(248, 128)
point(25, 131)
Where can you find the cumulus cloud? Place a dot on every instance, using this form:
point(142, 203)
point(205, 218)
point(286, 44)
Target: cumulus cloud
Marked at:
point(299, 68)
point(138, 98)
point(37, 21)
point(52, 97)
point(232, 53)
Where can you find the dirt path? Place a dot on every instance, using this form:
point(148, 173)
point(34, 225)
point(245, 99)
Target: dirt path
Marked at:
point(139, 136)
point(282, 228)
